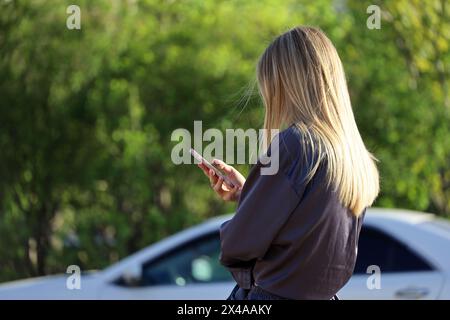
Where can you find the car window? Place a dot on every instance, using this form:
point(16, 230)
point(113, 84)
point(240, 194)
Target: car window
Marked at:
point(377, 248)
point(194, 262)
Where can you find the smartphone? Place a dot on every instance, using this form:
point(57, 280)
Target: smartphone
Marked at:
point(217, 171)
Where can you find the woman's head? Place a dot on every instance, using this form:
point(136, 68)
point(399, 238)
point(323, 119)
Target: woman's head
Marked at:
point(302, 82)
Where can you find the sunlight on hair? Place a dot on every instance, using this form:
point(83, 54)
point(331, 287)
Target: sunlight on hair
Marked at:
point(302, 82)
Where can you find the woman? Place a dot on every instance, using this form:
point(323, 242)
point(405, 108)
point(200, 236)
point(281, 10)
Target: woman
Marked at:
point(295, 233)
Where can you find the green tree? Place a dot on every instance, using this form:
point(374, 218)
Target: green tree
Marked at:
point(86, 115)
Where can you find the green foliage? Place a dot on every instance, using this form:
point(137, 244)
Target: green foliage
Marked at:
point(86, 115)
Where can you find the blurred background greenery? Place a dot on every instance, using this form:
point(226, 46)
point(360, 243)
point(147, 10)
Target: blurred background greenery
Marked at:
point(86, 115)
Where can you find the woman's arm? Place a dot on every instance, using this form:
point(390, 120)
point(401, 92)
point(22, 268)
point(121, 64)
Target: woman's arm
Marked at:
point(265, 205)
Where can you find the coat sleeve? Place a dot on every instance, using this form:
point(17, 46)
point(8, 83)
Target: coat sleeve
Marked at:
point(260, 215)
point(265, 205)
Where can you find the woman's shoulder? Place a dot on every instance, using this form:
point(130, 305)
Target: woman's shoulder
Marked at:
point(292, 146)
point(291, 140)
point(291, 152)
point(297, 153)
point(289, 157)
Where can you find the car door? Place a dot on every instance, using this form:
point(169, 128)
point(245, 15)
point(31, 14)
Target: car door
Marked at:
point(404, 274)
point(189, 271)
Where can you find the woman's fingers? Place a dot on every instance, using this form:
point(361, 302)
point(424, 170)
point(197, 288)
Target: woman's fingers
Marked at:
point(231, 195)
point(222, 165)
point(218, 186)
point(204, 168)
point(212, 178)
point(236, 177)
point(223, 189)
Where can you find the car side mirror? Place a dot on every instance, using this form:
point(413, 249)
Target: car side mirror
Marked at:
point(132, 276)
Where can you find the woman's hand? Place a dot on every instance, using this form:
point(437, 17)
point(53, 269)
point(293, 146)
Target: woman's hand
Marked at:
point(224, 191)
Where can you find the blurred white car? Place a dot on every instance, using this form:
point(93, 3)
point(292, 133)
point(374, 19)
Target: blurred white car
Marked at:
point(411, 249)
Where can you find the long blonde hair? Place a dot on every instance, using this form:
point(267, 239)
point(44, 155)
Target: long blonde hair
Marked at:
point(302, 82)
